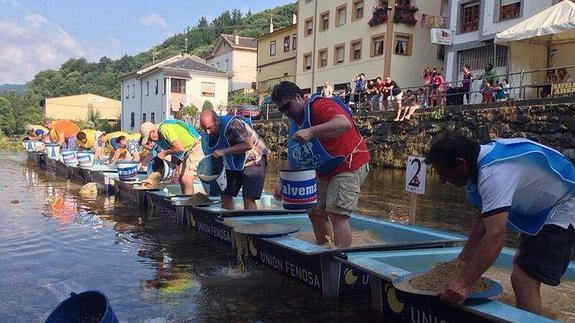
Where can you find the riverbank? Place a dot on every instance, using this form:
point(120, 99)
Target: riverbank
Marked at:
point(10, 143)
point(391, 142)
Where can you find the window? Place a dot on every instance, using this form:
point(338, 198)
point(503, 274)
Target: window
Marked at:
point(227, 65)
point(403, 43)
point(509, 9)
point(208, 89)
point(165, 86)
point(470, 16)
point(147, 87)
point(357, 10)
point(286, 43)
point(340, 15)
point(324, 21)
point(143, 117)
point(178, 86)
point(157, 86)
point(132, 120)
point(338, 54)
point(355, 50)
point(127, 92)
point(322, 55)
point(133, 90)
point(308, 27)
point(477, 58)
point(377, 42)
point(153, 117)
point(294, 41)
point(272, 48)
point(307, 61)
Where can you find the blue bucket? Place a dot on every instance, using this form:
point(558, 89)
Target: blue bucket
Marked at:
point(89, 306)
point(127, 170)
point(212, 174)
point(161, 166)
point(69, 157)
point(53, 151)
point(299, 189)
point(85, 158)
point(29, 145)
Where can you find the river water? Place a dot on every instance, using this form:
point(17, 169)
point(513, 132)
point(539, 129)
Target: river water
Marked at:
point(53, 242)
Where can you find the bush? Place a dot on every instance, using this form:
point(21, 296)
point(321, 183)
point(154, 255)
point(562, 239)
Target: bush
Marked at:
point(207, 105)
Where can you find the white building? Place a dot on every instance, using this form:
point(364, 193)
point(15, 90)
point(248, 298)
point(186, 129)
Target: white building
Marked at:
point(236, 56)
point(155, 92)
point(475, 23)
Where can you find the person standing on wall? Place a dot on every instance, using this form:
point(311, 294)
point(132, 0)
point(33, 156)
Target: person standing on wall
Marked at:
point(514, 184)
point(323, 135)
point(179, 140)
point(234, 139)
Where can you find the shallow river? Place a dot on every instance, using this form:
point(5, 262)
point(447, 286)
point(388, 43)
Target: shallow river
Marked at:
point(53, 242)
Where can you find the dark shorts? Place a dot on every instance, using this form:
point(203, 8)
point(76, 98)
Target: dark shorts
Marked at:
point(250, 178)
point(546, 256)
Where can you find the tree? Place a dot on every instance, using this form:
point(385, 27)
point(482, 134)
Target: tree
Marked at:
point(7, 121)
point(190, 114)
point(207, 105)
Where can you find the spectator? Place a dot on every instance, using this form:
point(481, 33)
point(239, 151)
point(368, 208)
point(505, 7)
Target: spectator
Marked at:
point(410, 105)
point(421, 97)
point(395, 93)
point(427, 76)
point(359, 81)
point(327, 90)
point(502, 91)
point(370, 92)
point(466, 83)
point(487, 92)
point(440, 87)
point(551, 78)
point(375, 101)
point(563, 76)
point(490, 75)
point(347, 93)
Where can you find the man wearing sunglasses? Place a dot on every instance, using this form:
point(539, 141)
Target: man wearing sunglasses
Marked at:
point(323, 136)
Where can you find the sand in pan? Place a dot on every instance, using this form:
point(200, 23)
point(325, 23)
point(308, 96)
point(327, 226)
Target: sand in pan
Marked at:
point(359, 238)
point(152, 181)
point(198, 199)
point(436, 278)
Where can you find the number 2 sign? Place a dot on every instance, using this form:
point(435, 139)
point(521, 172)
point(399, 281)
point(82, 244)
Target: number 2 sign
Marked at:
point(415, 175)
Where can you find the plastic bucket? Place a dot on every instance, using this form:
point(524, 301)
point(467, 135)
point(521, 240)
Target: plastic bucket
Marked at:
point(85, 158)
point(212, 174)
point(88, 306)
point(299, 189)
point(162, 166)
point(29, 145)
point(127, 170)
point(53, 151)
point(69, 157)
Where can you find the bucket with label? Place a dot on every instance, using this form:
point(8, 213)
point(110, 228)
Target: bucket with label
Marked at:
point(299, 189)
point(212, 174)
point(127, 170)
point(69, 157)
point(85, 158)
point(161, 166)
point(88, 306)
point(29, 145)
point(52, 150)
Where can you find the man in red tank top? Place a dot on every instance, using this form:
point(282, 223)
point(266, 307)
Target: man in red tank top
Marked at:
point(338, 190)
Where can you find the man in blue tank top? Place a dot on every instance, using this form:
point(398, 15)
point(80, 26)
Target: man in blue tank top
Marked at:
point(244, 153)
point(515, 184)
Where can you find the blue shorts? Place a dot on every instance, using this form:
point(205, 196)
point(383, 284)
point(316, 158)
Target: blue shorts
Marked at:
point(545, 256)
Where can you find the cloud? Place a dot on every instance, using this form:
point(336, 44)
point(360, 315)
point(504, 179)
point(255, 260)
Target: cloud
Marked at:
point(32, 44)
point(153, 20)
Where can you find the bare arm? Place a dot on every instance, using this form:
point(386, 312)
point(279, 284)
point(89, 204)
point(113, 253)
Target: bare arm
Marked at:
point(475, 236)
point(331, 129)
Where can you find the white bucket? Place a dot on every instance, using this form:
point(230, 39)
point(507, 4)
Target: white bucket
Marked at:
point(212, 174)
point(163, 166)
point(29, 145)
point(53, 151)
point(299, 189)
point(69, 157)
point(85, 158)
point(127, 170)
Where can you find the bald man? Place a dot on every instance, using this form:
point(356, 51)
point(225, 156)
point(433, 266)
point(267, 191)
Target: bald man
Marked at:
point(234, 139)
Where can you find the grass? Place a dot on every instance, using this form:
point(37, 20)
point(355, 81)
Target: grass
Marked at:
point(11, 142)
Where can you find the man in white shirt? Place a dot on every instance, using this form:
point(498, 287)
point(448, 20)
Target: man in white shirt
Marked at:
point(513, 183)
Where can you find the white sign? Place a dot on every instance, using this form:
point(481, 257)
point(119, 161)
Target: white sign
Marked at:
point(441, 36)
point(415, 175)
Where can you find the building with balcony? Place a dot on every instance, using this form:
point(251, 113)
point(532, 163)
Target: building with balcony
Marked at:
point(158, 91)
point(339, 39)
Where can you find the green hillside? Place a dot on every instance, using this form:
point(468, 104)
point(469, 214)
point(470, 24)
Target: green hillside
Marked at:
point(78, 75)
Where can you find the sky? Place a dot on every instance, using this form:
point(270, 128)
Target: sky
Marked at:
point(42, 34)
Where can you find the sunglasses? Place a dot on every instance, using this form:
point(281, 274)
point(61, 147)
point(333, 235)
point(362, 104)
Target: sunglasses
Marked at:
point(286, 106)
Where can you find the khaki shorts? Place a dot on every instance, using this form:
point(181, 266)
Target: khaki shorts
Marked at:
point(191, 160)
point(340, 193)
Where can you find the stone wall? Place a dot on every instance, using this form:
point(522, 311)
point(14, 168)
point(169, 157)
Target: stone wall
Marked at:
point(391, 142)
